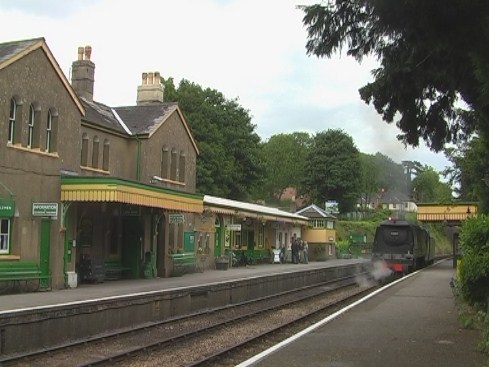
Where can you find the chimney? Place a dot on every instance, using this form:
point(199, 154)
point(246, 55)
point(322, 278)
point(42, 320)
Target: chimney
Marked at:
point(83, 73)
point(151, 90)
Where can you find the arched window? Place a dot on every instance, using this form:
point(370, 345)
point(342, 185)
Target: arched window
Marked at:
point(84, 150)
point(30, 128)
point(49, 131)
point(11, 121)
point(164, 162)
point(105, 159)
point(52, 131)
point(95, 152)
point(173, 165)
point(181, 169)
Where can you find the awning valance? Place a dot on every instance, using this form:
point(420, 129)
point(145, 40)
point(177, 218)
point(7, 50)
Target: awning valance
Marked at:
point(96, 189)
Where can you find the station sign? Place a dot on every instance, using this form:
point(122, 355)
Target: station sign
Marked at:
point(175, 218)
point(233, 227)
point(45, 209)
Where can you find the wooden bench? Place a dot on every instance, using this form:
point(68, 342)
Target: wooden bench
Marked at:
point(18, 275)
point(114, 269)
point(183, 263)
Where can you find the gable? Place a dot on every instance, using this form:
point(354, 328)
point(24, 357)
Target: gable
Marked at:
point(147, 119)
point(11, 52)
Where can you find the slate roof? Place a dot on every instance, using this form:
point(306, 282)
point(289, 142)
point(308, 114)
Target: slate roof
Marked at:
point(314, 211)
point(102, 115)
point(146, 118)
point(10, 49)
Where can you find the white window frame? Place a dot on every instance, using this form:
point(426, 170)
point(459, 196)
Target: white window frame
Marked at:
point(4, 236)
point(49, 129)
point(11, 121)
point(30, 129)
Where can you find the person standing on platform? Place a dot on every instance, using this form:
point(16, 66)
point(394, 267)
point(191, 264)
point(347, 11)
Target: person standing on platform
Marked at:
point(305, 253)
point(295, 251)
point(301, 251)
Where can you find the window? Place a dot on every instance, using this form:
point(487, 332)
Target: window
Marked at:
point(49, 130)
point(330, 224)
point(84, 150)
point(4, 235)
point(30, 128)
point(164, 163)
point(173, 165)
point(105, 160)
point(317, 223)
point(181, 173)
point(95, 152)
point(11, 120)
point(261, 235)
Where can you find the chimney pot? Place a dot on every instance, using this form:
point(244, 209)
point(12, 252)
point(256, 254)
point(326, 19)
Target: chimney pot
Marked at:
point(80, 53)
point(151, 90)
point(88, 52)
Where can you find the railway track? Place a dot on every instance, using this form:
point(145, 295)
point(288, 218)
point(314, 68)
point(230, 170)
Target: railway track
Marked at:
point(206, 338)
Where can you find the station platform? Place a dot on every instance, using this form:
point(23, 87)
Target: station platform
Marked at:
point(112, 289)
point(412, 322)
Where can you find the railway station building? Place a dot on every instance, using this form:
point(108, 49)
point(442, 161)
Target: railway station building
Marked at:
point(90, 192)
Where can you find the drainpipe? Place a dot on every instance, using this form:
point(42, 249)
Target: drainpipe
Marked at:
point(138, 159)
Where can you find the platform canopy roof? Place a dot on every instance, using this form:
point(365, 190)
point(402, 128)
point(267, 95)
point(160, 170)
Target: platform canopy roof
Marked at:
point(250, 210)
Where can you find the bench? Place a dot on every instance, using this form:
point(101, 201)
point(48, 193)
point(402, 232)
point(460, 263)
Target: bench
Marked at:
point(183, 263)
point(262, 256)
point(15, 273)
point(114, 269)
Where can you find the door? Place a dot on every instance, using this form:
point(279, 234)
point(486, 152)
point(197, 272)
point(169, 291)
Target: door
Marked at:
point(131, 246)
point(217, 238)
point(44, 249)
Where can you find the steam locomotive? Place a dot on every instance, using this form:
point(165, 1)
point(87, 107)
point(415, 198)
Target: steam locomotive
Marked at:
point(403, 246)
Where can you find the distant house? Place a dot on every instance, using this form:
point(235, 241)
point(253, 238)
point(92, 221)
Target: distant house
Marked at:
point(397, 202)
point(320, 233)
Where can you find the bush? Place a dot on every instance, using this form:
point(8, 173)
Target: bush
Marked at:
point(474, 267)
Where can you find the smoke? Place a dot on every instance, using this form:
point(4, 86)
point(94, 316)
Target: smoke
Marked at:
point(378, 272)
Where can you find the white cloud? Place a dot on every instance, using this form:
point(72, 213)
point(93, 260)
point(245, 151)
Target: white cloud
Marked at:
point(247, 49)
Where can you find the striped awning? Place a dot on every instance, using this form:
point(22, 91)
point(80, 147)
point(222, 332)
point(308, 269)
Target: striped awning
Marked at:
point(97, 189)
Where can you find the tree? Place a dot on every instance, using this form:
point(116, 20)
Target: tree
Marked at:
point(230, 162)
point(390, 175)
point(284, 156)
point(428, 187)
point(432, 54)
point(369, 182)
point(469, 173)
point(333, 170)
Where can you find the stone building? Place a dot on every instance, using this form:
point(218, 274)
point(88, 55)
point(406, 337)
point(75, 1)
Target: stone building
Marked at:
point(85, 186)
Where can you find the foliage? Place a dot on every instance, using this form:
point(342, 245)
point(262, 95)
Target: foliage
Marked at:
point(333, 170)
point(230, 162)
point(380, 173)
point(428, 188)
point(431, 57)
point(474, 268)
point(284, 156)
point(470, 170)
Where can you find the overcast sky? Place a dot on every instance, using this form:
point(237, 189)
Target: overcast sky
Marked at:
point(253, 50)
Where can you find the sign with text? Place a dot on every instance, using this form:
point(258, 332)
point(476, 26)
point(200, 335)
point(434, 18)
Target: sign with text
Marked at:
point(233, 227)
point(45, 209)
point(175, 218)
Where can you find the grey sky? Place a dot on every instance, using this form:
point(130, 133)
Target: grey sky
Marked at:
point(252, 50)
